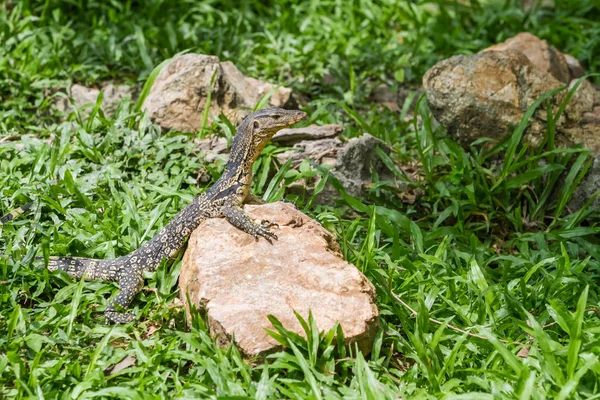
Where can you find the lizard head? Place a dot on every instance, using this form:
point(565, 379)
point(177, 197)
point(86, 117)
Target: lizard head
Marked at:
point(256, 130)
point(265, 123)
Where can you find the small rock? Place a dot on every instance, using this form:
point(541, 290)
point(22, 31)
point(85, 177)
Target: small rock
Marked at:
point(356, 162)
point(487, 94)
point(85, 96)
point(352, 163)
point(323, 152)
point(544, 56)
point(588, 187)
point(179, 95)
point(312, 132)
point(213, 148)
point(239, 281)
point(354, 166)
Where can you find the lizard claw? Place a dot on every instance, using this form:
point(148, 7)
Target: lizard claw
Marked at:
point(263, 230)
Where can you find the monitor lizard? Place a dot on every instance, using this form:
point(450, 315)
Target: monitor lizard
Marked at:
point(223, 199)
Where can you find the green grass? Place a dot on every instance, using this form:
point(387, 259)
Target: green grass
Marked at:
point(487, 285)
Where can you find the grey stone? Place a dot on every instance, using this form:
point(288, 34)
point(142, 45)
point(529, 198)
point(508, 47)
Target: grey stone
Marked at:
point(311, 132)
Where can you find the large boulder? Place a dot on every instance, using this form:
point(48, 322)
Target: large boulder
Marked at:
point(563, 67)
point(238, 281)
point(487, 94)
point(181, 90)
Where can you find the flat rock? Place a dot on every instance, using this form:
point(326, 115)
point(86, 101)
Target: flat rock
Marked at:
point(238, 281)
point(323, 152)
point(180, 92)
point(311, 132)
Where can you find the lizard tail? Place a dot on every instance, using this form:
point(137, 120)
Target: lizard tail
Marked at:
point(87, 268)
point(15, 213)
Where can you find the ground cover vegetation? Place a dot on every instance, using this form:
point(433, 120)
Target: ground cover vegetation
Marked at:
point(487, 285)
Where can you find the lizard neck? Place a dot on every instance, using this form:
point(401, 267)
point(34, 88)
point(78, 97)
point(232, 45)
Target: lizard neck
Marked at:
point(243, 154)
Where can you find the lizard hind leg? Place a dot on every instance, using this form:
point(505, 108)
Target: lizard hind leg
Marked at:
point(130, 284)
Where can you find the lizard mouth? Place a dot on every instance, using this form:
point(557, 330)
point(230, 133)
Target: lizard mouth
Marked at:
point(287, 119)
point(298, 116)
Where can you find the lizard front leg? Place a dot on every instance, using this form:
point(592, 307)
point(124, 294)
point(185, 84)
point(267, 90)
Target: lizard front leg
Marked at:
point(238, 218)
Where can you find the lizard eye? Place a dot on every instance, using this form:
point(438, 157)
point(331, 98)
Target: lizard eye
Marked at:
point(256, 125)
point(276, 116)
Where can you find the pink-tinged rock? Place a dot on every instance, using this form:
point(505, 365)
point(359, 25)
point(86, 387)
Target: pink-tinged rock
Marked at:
point(239, 281)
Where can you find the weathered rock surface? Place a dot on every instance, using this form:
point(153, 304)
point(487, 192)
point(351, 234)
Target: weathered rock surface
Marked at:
point(323, 152)
point(587, 188)
point(239, 281)
point(311, 132)
point(563, 67)
point(352, 162)
point(85, 96)
point(356, 162)
point(486, 94)
point(316, 136)
point(180, 92)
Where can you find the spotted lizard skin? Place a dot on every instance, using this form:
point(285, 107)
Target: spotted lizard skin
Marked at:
point(15, 213)
point(223, 199)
